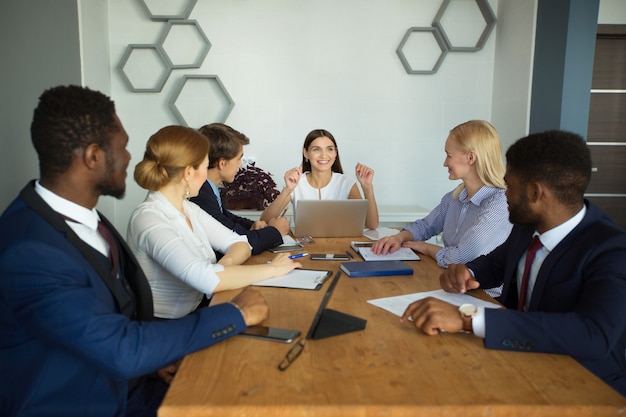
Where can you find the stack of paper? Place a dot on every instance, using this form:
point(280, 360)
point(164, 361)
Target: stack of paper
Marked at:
point(304, 279)
point(365, 250)
point(398, 304)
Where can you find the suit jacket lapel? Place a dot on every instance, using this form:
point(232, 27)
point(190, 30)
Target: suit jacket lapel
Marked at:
point(518, 244)
point(138, 283)
point(552, 258)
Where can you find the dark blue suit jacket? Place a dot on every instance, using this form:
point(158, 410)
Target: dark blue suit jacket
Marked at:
point(66, 349)
point(260, 240)
point(578, 303)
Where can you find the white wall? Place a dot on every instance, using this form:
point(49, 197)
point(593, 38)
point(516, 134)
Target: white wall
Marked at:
point(513, 69)
point(612, 12)
point(292, 66)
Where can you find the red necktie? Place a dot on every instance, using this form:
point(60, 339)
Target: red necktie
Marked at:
point(114, 255)
point(534, 246)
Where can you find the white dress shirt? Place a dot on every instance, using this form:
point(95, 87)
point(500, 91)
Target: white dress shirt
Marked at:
point(179, 262)
point(85, 223)
point(549, 240)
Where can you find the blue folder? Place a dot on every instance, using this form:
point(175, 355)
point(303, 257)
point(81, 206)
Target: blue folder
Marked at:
point(375, 269)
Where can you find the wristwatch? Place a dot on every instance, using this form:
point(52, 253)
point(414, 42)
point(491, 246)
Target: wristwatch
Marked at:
point(467, 312)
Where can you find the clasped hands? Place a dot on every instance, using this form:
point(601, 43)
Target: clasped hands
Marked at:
point(431, 315)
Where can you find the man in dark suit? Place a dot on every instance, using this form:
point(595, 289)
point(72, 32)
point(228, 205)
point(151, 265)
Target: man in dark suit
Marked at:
point(76, 330)
point(572, 300)
point(225, 153)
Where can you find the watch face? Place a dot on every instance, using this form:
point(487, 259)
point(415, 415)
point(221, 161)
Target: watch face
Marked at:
point(468, 310)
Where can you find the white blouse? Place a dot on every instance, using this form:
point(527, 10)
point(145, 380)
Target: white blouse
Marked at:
point(179, 262)
point(337, 189)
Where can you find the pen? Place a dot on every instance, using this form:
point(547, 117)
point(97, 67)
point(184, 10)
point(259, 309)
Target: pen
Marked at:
point(299, 255)
point(283, 213)
point(349, 254)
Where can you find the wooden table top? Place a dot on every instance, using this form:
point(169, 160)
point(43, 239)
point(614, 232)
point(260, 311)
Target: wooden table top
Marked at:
point(388, 369)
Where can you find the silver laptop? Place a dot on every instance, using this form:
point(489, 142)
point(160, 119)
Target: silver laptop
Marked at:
point(330, 218)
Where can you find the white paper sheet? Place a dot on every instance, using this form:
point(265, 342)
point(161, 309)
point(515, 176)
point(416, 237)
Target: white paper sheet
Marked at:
point(399, 303)
point(380, 232)
point(305, 279)
point(402, 254)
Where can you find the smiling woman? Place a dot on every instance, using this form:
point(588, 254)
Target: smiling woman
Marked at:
point(472, 218)
point(321, 177)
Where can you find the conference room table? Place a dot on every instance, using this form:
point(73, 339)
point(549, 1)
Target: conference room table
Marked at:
point(387, 369)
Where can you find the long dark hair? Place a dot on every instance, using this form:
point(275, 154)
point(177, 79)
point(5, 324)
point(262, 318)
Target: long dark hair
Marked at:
point(318, 133)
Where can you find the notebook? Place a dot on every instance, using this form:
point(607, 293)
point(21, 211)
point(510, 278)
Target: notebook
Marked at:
point(330, 218)
point(375, 269)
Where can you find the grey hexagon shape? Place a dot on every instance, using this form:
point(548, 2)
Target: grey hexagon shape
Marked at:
point(216, 87)
point(159, 82)
point(490, 23)
point(180, 9)
point(438, 38)
point(200, 54)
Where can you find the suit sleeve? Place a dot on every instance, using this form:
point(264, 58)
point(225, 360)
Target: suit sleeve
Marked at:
point(260, 240)
point(580, 309)
point(61, 302)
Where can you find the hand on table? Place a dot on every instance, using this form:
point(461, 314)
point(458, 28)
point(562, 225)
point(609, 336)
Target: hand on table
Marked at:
point(457, 279)
point(433, 316)
point(252, 305)
point(388, 244)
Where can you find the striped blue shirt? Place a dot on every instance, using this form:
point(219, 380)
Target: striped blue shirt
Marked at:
point(470, 227)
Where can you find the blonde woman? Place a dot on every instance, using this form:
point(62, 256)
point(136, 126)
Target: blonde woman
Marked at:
point(174, 240)
point(473, 218)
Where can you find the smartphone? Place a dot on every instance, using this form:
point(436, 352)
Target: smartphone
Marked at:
point(330, 257)
point(286, 248)
point(274, 334)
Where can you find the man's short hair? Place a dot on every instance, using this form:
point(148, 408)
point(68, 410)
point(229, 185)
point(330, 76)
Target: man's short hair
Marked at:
point(557, 158)
point(69, 118)
point(225, 142)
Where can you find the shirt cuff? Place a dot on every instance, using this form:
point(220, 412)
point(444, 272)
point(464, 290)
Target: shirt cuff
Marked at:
point(478, 323)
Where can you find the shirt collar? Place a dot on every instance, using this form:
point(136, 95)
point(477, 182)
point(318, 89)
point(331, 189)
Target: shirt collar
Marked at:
point(484, 192)
point(554, 236)
point(68, 208)
point(164, 204)
point(216, 190)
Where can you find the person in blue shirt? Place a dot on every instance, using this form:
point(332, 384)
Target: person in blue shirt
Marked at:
point(225, 153)
point(472, 218)
point(568, 298)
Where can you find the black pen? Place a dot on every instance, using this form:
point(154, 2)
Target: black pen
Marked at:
point(349, 254)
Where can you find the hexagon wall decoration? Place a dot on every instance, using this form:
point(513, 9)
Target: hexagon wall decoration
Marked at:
point(134, 52)
point(201, 98)
point(487, 14)
point(194, 31)
point(168, 9)
point(413, 32)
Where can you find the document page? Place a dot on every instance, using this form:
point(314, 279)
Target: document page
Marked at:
point(380, 232)
point(305, 279)
point(398, 304)
point(402, 254)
